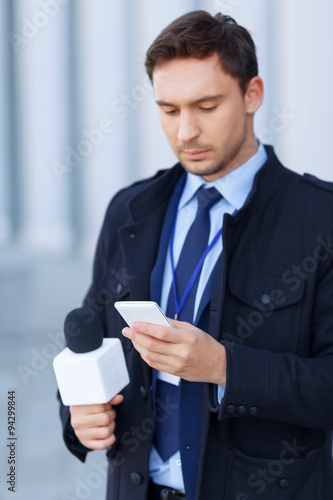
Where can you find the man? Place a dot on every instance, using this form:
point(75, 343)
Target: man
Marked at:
point(235, 401)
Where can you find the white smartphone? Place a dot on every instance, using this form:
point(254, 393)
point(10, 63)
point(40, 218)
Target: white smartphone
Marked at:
point(145, 311)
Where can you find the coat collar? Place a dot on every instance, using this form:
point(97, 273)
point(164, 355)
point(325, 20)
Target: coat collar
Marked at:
point(146, 207)
point(267, 180)
point(151, 196)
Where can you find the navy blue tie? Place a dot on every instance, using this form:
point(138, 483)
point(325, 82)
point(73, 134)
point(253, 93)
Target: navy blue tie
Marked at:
point(166, 439)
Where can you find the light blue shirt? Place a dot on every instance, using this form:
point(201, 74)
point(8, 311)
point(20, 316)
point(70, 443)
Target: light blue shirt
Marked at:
point(234, 187)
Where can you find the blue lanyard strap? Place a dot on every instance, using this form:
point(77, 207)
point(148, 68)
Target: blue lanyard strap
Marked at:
point(180, 305)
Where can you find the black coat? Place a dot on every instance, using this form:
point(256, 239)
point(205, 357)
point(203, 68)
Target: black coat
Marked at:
point(272, 308)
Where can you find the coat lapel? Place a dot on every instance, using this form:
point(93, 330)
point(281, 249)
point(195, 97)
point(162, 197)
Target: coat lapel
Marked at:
point(158, 271)
point(139, 238)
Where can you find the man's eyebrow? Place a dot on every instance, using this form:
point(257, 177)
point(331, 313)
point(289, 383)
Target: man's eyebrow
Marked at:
point(205, 98)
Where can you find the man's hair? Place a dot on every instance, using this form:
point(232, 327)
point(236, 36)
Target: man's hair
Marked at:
point(199, 34)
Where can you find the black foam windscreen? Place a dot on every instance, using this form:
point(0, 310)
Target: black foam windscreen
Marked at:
point(83, 330)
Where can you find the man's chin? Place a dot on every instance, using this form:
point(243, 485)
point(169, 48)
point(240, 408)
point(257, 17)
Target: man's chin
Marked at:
point(202, 168)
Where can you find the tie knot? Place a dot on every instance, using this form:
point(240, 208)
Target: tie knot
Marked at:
point(207, 197)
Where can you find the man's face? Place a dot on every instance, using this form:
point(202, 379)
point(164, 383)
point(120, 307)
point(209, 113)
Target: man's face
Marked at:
point(203, 114)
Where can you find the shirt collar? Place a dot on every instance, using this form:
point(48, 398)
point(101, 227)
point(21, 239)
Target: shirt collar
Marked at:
point(234, 187)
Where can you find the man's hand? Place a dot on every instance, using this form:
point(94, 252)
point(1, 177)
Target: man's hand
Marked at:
point(185, 351)
point(94, 425)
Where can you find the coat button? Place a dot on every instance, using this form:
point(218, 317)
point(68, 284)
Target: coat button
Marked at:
point(284, 483)
point(143, 392)
point(132, 236)
point(241, 410)
point(231, 409)
point(265, 299)
point(136, 478)
point(120, 288)
point(254, 410)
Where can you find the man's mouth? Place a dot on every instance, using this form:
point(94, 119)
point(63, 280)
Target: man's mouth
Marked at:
point(195, 154)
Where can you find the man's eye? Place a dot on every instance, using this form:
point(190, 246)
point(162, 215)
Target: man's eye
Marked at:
point(170, 111)
point(210, 108)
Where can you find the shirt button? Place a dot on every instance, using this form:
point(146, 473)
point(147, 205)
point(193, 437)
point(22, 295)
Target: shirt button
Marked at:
point(136, 478)
point(178, 462)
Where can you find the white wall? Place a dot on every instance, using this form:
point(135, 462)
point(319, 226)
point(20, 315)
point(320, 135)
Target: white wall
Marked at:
point(81, 68)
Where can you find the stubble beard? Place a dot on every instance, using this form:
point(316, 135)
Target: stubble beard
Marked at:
point(224, 165)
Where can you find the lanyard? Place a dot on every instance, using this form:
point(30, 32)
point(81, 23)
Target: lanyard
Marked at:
point(180, 304)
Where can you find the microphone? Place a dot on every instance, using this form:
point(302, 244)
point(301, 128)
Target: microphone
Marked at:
point(90, 370)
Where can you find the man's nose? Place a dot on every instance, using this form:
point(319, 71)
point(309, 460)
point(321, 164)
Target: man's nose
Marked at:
point(188, 129)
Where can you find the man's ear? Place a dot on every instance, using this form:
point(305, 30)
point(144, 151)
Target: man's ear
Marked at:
point(254, 95)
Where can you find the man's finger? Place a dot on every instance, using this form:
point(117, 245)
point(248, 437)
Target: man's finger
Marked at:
point(116, 400)
point(164, 333)
point(179, 324)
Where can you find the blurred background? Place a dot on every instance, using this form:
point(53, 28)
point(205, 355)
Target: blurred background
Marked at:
point(78, 121)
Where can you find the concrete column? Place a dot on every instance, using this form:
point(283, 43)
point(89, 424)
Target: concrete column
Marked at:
point(103, 113)
point(6, 220)
point(303, 74)
point(39, 47)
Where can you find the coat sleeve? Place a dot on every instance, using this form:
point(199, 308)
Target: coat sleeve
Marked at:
point(283, 386)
